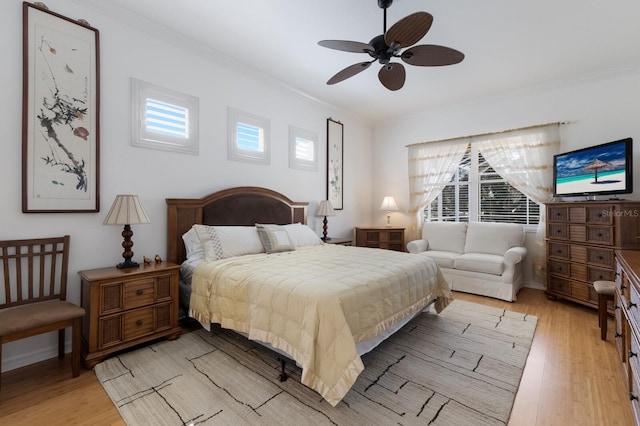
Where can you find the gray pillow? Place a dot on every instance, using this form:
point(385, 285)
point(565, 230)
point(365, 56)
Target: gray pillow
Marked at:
point(274, 238)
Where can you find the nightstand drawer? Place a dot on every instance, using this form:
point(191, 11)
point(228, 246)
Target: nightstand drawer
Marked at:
point(117, 329)
point(138, 323)
point(138, 293)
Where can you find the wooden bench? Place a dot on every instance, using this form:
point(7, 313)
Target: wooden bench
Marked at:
point(33, 298)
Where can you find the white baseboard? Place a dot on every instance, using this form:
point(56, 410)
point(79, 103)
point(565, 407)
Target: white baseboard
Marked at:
point(537, 286)
point(24, 359)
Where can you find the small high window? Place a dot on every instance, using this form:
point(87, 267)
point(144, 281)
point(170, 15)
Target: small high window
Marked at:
point(303, 149)
point(248, 137)
point(164, 119)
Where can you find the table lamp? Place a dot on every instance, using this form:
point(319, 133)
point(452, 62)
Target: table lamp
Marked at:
point(325, 209)
point(126, 210)
point(388, 204)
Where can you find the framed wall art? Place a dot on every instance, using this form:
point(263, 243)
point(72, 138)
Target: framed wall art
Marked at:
point(60, 113)
point(335, 157)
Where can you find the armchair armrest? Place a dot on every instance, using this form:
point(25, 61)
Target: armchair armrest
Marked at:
point(515, 255)
point(417, 246)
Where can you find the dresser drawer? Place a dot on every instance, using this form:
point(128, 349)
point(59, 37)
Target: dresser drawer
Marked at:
point(599, 274)
point(620, 334)
point(559, 267)
point(559, 250)
point(600, 215)
point(557, 214)
point(138, 293)
point(558, 231)
point(600, 235)
point(559, 285)
point(600, 256)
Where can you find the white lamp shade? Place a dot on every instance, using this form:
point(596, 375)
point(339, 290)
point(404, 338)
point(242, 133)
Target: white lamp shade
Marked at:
point(388, 204)
point(126, 210)
point(325, 209)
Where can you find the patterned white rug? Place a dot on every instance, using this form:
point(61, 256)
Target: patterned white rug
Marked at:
point(461, 367)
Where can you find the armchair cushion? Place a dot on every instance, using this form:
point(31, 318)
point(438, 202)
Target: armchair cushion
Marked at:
point(480, 262)
point(493, 238)
point(445, 236)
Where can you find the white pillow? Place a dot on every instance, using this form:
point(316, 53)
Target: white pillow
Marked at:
point(192, 244)
point(221, 242)
point(301, 235)
point(275, 238)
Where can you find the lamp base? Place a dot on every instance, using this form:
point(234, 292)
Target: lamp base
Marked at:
point(325, 238)
point(127, 264)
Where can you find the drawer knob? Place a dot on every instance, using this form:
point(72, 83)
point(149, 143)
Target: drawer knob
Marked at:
point(139, 323)
point(600, 257)
point(631, 305)
point(632, 397)
point(139, 292)
point(617, 335)
point(632, 354)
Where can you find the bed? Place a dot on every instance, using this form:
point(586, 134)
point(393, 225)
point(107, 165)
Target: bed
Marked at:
point(319, 304)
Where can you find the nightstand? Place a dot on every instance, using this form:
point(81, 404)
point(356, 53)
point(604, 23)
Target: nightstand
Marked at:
point(340, 241)
point(126, 307)
point(384, 238)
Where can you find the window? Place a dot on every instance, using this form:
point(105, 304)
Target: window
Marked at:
point(477, 193)
point(164, 119)
point(303, 149)
point(248, 137)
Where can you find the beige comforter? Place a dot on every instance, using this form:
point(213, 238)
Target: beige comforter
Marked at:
point(316, 303)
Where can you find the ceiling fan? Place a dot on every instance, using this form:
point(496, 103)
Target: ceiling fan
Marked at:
point(404, 33)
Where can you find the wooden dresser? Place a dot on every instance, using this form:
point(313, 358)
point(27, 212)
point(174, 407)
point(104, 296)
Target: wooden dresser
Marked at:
point(126, 307)
point(384, 238)
point(627, 316)
point(581, 239)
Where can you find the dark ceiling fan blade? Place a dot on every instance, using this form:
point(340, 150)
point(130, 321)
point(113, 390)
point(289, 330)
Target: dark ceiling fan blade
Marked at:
point(346, 46)
point(431, 55)
point(409, 30)
point(349, 71)
point(392, 76)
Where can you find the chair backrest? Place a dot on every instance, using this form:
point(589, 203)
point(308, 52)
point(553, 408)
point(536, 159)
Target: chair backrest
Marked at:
point(33, 270)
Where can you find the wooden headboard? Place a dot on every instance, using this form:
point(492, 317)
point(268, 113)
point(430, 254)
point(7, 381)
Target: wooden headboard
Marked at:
point(240, 206)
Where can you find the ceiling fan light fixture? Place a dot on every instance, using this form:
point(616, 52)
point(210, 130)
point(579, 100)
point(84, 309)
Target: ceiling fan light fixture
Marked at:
point(382, 48)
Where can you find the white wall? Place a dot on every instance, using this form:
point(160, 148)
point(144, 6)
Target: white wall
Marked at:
point(597, 109)
point(154, 175)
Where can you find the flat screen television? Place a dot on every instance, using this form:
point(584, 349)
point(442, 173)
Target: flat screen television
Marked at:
point(604, 169)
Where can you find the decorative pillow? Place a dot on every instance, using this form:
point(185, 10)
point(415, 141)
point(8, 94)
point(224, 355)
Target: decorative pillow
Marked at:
point(192, 244)
point(274, 238)
point(221, 242)
point(301, 235)
point(209, 240)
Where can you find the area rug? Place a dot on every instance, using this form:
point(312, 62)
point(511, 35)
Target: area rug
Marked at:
point(461, 367)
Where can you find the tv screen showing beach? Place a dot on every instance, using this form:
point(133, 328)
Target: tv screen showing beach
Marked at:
point(601, 169)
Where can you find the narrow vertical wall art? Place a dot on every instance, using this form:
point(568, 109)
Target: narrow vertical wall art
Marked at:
point(60, 113)
point(335, 166)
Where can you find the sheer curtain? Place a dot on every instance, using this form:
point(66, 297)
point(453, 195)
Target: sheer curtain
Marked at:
point(524, 158)
point(431, 167)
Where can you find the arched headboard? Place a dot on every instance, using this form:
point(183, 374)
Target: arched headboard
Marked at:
point(240, 206)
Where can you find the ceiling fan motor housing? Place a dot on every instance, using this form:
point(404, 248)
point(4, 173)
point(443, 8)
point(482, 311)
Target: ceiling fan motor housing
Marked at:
point(381, 51)
point(383, 4)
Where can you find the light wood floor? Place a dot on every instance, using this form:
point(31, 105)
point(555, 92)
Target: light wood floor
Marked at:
point(571, 377)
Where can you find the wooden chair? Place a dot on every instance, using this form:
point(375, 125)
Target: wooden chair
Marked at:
point(33, 298)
